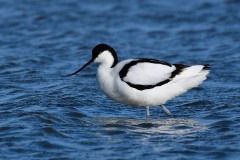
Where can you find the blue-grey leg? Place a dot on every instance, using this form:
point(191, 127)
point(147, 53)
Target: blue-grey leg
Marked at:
point(147, 111)
point(166, 110)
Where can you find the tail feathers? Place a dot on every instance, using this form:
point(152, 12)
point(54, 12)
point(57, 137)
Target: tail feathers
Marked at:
point(192, 76)
point(191, 72)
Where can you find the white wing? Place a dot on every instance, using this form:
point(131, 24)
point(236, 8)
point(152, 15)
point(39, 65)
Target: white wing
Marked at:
point(147, 73)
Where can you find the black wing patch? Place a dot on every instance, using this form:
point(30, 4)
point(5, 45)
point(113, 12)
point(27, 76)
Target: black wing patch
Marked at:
point(143, 87)
point(179, 69)
point(124, 71)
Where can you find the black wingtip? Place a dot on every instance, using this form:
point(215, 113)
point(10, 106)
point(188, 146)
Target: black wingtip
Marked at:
point(206, 67)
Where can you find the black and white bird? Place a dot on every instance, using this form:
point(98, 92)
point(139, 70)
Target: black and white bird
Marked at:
point(143, 82)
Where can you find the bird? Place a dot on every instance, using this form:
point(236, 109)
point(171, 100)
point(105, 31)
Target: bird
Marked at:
point(143, 82)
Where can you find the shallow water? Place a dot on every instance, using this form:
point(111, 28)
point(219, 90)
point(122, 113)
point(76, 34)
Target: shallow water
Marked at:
point(45, 116)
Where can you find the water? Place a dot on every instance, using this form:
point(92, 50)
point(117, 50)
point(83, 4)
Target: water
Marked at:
point(45, 116)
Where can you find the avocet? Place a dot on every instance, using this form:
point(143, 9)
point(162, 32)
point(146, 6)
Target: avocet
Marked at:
point(143, 82)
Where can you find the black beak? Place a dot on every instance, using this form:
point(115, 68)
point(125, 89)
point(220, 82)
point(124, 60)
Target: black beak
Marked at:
point(79, 69)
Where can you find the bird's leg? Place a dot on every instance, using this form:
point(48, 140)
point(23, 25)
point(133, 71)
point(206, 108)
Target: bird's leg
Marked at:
point(166, 110)
point(147, 112)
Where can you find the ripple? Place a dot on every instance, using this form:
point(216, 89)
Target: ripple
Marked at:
point(75, 114)
point(48, 145)
point(165, 126)
point(53, 132)
point(194, 103)
point(45, 116)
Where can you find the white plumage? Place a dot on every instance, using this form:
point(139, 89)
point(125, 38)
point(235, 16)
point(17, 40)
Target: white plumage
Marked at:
point(148, 73)
point(143, 82)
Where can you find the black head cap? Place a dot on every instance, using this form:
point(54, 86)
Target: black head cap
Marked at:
point(98, 49)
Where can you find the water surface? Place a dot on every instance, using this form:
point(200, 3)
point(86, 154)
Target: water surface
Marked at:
point(45, 116)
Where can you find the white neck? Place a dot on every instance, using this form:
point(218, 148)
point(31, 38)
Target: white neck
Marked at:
point(105, 59)
point(105, 80)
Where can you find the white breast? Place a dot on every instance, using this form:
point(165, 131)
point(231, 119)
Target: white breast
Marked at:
point(107, 81)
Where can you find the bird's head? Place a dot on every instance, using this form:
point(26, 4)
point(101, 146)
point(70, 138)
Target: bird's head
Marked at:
point(103, 54)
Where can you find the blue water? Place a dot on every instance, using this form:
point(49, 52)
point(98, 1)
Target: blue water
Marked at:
point(45, 116)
